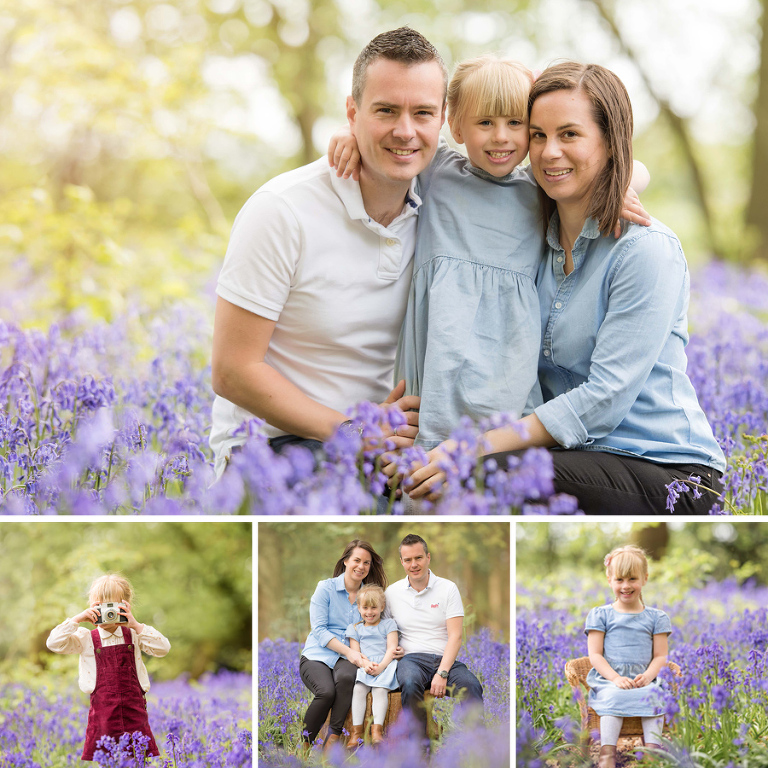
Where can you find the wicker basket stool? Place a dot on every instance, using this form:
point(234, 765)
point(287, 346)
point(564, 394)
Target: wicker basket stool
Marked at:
point(576, 671)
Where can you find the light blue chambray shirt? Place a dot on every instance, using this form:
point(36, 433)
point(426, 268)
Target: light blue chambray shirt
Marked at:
point(612, 362)
point(330, 613)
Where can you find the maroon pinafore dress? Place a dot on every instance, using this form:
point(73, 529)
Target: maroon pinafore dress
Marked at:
point(117, 701)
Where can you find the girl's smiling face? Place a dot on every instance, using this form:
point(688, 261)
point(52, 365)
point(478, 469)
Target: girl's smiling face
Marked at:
point(627, 589)
point(371, 613)
point(497, 145)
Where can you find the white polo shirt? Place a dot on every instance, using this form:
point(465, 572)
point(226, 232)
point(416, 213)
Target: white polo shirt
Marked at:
point(421, 616)
point(305, 253)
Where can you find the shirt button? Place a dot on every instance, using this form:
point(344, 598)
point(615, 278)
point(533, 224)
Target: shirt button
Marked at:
point(546, 353)
point(559, 259)
point(390, 241)
point(558, 304)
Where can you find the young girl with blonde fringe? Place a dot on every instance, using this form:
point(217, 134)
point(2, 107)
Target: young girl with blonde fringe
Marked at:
point(111, 669)
point(628, 645)
point(376, 639)
point(472, 330)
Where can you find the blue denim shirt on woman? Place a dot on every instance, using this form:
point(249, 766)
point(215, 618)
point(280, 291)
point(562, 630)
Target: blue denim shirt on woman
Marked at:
point(330, 613)
point(612, 361)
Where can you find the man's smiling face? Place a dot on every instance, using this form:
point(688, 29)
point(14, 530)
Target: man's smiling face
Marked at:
point(397, 124)
point(416, 563)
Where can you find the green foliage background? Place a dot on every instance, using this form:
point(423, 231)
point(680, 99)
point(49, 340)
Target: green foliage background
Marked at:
point(192, 580)
point(293, 557)
point(683, 554)
point(133, 131)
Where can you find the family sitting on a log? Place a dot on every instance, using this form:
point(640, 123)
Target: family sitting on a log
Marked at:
point(367, 636)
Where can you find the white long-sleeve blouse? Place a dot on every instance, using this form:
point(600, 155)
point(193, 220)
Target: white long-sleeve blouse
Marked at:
point(70, 637)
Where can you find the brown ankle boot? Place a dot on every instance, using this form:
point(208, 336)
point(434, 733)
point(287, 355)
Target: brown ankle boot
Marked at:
point(607, 757)
point(356, 734)
point(330, 739)
point(377, 734)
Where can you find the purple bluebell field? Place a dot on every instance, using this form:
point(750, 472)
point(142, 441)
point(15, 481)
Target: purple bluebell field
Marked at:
point(113, 418)
point(203, 724)
point(719, 715)
point(283, 698)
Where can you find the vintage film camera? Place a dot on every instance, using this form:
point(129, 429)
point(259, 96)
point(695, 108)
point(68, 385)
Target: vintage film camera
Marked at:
point(109, 613)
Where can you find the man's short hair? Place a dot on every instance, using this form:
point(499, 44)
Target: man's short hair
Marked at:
point(410, 540)
point(405, 45)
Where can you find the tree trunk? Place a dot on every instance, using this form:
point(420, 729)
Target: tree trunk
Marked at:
point(758, 196)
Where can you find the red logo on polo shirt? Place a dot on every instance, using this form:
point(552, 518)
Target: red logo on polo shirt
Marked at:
point(435, 605)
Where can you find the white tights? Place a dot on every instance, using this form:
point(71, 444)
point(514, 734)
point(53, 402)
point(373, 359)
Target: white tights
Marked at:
point(610, 728)
point(359, 701)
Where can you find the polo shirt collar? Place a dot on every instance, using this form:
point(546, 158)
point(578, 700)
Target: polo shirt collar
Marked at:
point(430, 583)
point(348, 191)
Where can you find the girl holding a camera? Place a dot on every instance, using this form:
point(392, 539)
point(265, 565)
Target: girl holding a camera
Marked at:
point(111, 668)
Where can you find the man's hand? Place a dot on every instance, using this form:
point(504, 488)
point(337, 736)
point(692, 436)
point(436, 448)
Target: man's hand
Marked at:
point(403, 436)
point(439, 684)
point(633, 212)
point(399, 653)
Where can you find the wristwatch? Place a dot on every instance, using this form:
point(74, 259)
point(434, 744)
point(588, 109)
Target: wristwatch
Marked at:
point(442, 674)
point(350, 428)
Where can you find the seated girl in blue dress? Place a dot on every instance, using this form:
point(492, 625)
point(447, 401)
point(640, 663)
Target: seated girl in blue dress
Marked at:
point(628, 643)
point(376, 639)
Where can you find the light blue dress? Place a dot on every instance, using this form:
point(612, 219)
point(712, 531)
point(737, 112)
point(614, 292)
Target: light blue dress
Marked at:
point(373, 644)
point(628, 648)
point(472, 330)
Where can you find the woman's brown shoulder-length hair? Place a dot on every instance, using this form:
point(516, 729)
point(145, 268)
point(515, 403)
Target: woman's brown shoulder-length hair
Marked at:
point(612, 111)
point(375, 575)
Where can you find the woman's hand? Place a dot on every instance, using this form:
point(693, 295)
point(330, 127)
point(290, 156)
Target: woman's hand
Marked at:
point(642, 680)
point(624, 682)
point(426, 480)
point(89, 614)
point(343, 154)
point(357, 658)
point(125, 610)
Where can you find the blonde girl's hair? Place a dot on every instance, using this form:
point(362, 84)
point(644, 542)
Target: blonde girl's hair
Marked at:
point(489, 86)
point(110, 586)
point(371, 594)
point(627, 561)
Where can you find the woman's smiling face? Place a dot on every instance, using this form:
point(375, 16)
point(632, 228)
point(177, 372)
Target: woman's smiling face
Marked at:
point(567, 149)
point(358, 563)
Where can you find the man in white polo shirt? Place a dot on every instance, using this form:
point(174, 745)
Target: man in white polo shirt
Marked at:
point(429, 615)
point(315, 281)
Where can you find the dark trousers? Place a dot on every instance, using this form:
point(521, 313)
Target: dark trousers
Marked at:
point(613, 484)
point(279, 444)
point(332, 689)
point(415, 672)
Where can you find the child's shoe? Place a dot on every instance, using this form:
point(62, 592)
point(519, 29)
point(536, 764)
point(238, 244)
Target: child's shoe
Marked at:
point(355, 735)
point(607, 757)
point(377, 734)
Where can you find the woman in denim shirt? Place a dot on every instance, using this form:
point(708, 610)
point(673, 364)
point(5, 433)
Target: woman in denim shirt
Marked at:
point(613, 314)
point(328, 665)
